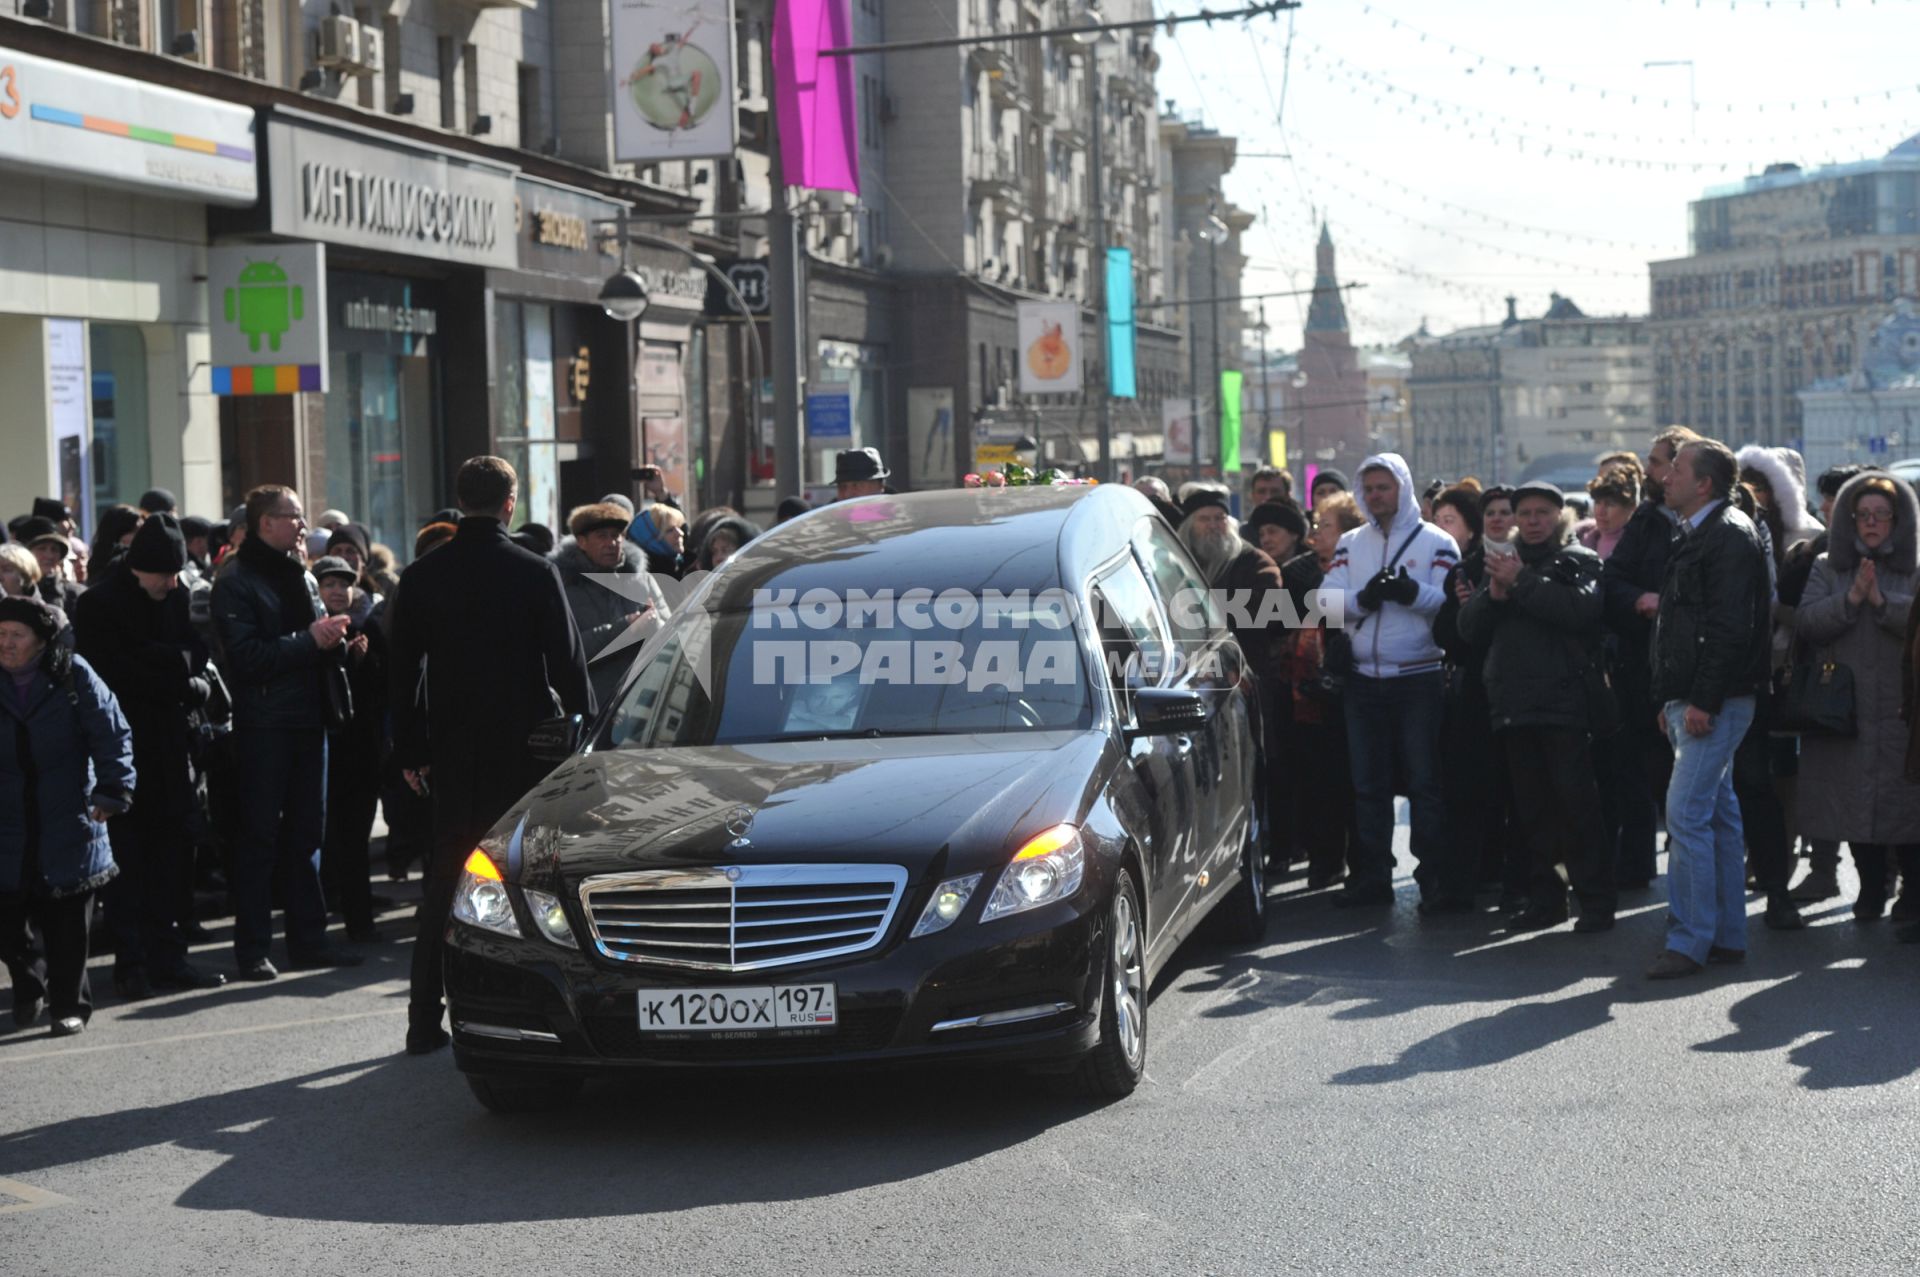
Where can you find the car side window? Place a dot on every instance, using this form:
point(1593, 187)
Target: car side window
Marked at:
point(1132, 631)
point(1192, 612)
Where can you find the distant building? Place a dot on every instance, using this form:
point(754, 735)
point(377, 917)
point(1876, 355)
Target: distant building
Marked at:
point(1873, 413)
point(1533, 398)
point(1789, 272)
point(1330, 425)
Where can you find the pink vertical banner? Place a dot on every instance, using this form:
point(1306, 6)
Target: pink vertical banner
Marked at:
point(813, 95)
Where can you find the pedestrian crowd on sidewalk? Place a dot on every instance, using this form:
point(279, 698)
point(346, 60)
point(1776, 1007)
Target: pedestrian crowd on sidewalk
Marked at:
point(1552, 678)
point(205, 717)
point(219, 709)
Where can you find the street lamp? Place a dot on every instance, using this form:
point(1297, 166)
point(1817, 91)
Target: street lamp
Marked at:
point(1266, 392)
point(1088, 25)
point(624, 297)
point(1213, 230)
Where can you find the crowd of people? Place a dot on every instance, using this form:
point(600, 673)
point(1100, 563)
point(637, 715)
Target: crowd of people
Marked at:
point(222, 708)
point(1551, 678)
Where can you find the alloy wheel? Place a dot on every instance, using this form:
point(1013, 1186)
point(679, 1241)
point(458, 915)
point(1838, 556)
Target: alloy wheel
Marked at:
point(1129, 978)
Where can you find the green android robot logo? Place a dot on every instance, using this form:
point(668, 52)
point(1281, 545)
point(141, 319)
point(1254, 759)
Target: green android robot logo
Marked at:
point(267, 305)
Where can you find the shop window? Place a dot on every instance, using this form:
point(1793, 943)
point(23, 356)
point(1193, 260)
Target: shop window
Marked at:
point(379, 457)
point(525, 431)
point(122, 452)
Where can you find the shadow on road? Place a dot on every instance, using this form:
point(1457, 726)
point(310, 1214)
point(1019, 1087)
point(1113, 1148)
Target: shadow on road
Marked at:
point(1858, 1016)
point(418, 1150)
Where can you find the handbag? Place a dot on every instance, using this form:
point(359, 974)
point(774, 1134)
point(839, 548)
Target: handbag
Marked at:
point(339, 692)
point(1820, 700)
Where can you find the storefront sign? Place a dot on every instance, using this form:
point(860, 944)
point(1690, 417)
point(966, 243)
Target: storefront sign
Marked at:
point(336, 187)
point(673, 96)
point(563, 231)
point(830, 415)
point(268, 316)
point(66, 120)
point(368, 316)
point(675, 287)
point(751, 277)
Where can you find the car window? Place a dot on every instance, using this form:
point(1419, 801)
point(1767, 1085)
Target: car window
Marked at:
point(1132, 628)
point(1193, 614)
point(731, 677)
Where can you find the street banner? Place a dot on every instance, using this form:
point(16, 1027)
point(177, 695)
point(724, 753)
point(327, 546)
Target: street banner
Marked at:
point(1230, 382)
point(1049, 348)
point(813, 95)
point(267, 312)
point(1277, 449)
point(1120, 383)
point(673, 93)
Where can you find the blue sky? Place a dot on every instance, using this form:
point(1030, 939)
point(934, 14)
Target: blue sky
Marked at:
point(1536, 154)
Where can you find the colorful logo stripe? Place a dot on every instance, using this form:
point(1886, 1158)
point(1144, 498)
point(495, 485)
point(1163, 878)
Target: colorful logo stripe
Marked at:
point(265, 379)
point(138, 133)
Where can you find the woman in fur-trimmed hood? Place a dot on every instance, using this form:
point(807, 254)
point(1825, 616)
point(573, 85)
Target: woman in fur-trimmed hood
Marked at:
point(1785, 474)
point(1854, 613)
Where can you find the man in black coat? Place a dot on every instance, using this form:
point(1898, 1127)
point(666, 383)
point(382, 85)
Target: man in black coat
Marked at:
point(278, 643)
point(490, 621)
point(1535, 619)
point(1711, 658)
point(1630, 587)
point(133, 627)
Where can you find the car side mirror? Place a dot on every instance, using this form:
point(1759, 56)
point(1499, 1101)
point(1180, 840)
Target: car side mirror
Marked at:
point(555, 740)
point(1168, 711)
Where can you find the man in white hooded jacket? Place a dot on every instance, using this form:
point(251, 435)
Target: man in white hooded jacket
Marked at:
point(1389, 574)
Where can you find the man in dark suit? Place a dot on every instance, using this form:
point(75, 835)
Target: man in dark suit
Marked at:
point(483, 649)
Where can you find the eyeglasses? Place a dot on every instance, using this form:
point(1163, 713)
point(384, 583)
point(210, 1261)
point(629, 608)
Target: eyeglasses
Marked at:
point(296, 516)
point(1871, 519)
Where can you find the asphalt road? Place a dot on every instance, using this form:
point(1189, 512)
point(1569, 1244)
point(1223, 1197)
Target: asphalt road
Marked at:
point(1376, 1094)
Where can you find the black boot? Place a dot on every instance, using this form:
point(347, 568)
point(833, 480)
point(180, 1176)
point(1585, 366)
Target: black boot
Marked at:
point(1872, 902)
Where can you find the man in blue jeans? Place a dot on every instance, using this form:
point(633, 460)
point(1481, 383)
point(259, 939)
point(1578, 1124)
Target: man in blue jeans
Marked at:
point(1389, 574)
point(277, 641)
point(1710, 659)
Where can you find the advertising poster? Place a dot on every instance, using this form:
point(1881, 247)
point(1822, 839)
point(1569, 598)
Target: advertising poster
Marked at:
point(673, 94)
point(1049, 348)
point(267, 314)
point(930, 435)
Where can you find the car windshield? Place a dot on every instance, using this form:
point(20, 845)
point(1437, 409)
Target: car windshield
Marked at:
point(742, 676)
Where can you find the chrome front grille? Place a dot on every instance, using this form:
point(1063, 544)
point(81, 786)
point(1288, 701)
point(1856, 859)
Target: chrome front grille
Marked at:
point(741, 917)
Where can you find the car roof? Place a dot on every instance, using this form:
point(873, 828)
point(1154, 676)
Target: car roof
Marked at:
point(972, 539)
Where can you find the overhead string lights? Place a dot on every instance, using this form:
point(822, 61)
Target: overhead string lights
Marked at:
point(1494, 127)
point(1477, 63)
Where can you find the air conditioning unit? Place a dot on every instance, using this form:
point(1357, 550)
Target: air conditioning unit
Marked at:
point(339, 42)
point(373, 48)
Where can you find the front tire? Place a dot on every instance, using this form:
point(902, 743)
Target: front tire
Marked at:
point(1243, 914)
point(522, 1095)
point(1118, 1061)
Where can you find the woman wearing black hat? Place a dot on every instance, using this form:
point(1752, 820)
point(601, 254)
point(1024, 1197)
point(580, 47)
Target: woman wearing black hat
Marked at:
point(66, 766)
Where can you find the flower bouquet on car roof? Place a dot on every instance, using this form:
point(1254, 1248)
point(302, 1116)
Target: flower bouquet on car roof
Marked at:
point(1015, 475)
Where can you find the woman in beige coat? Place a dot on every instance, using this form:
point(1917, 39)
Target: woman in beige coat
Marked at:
point(1854, 613)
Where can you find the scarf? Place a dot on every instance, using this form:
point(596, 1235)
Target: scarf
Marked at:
point(288, 580)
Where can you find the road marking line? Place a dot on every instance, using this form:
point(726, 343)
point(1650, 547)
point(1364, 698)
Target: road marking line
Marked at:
point(31, 1198)
point(195, 1037)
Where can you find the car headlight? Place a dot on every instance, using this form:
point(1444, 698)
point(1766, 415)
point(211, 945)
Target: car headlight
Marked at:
point(549, 918)
point(949, 898)
point(480, 899)
point(1047, 869)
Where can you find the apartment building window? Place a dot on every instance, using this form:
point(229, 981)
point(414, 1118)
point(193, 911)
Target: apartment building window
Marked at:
point(870, 111)
point(470, 77)
point(532, 122)
point(449, 77)
point(390, 73)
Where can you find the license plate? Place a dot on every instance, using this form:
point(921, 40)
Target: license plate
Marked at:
point(753, 1009)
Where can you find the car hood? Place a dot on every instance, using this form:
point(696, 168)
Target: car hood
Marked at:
point(957, 802)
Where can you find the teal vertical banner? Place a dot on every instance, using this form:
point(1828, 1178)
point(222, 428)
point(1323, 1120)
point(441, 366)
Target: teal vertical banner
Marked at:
point(1120, 323)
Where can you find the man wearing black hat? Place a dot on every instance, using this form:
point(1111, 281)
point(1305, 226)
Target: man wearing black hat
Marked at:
point(1325, 484)
point(134, 628)
point(859, 472)
point(52, 546)
point(1537, 618)
point(158, 501)
point(197, 532)
point(55, 511)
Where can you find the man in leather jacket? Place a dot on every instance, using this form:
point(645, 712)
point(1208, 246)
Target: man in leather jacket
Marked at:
point(1710, 658)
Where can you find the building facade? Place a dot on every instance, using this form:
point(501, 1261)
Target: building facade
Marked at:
point(1871, 415)
point(1534, 398)
point(1788, 275)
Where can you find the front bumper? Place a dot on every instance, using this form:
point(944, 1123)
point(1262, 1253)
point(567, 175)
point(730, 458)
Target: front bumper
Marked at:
point(527, 1006)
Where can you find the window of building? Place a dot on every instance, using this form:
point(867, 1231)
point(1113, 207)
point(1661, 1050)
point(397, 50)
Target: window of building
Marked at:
point(391, 55)
point(532, 119)
point(470, 77)
point(449, 68)
point(122, 448)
